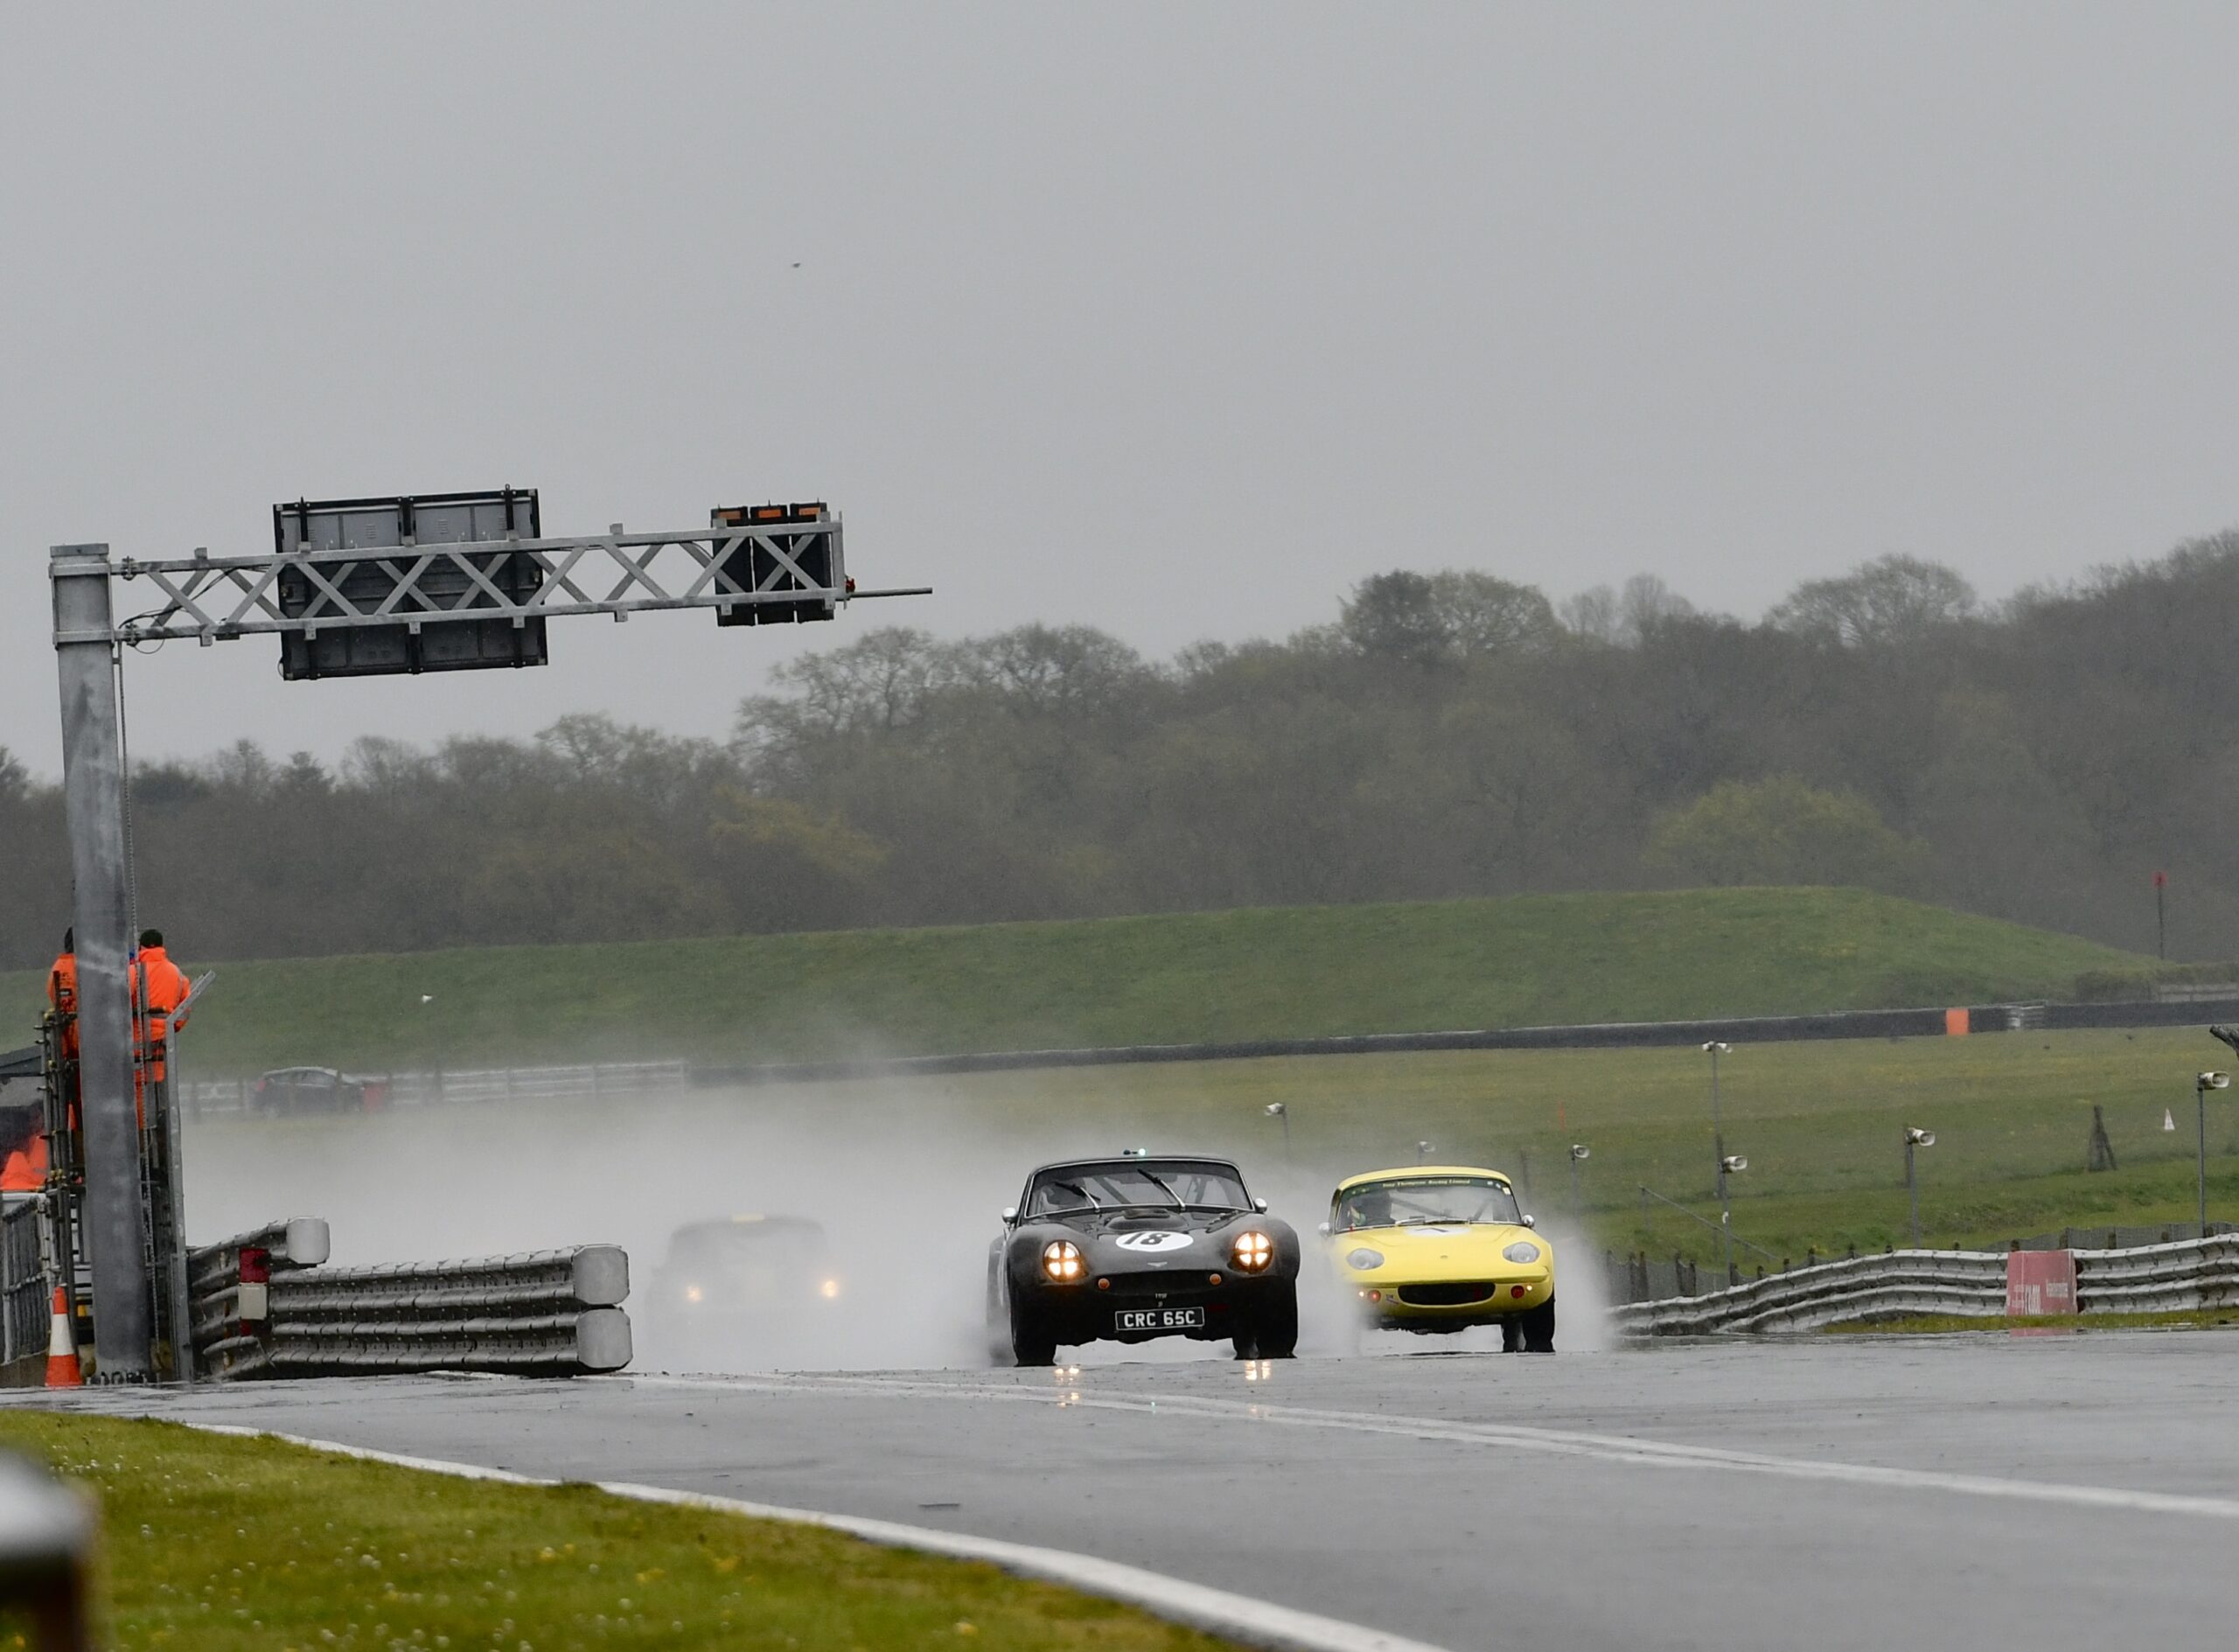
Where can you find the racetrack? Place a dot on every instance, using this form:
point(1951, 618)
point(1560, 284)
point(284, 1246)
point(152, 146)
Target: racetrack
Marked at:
point(1968, 1492)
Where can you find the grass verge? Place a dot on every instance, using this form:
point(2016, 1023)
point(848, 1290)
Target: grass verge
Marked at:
point(212, 1543)
point(1183, 978)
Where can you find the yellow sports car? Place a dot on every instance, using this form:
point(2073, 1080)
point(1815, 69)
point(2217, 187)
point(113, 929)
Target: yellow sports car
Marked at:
point(1442, 1247)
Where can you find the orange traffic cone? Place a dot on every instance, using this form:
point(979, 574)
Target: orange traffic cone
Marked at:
point(61, 1358)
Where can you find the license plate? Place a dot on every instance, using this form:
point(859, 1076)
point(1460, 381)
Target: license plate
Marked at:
point(1161, 1319)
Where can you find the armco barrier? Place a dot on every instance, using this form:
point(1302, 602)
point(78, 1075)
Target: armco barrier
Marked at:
point(1762, 1030)
point(2191, 1273)
point(229, 1285)
point(2156, 1278)
point(1855, 1287)
point(549, 1312)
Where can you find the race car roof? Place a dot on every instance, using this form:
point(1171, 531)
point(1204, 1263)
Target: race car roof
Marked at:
point(1412, 1171)
point(1123, 1159)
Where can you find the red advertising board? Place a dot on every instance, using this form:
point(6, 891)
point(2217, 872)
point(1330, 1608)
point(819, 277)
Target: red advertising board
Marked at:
point(2039, 1282)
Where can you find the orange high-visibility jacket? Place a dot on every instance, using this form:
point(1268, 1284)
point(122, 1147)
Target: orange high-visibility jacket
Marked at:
point(165, 990)
point(62, 993)
point(25, 1171)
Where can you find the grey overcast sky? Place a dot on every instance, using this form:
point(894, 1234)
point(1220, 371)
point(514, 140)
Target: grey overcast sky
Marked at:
point(1172, 319)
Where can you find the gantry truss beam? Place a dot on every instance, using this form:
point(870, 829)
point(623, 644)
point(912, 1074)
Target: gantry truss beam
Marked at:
point(216, 598)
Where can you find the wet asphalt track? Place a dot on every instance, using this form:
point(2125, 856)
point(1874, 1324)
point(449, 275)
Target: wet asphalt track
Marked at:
point(1976, 1493)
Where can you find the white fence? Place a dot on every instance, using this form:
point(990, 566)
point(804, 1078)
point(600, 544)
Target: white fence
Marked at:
point(371, 1092)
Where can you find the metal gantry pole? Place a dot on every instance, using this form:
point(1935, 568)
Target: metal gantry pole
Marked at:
point(93, 791)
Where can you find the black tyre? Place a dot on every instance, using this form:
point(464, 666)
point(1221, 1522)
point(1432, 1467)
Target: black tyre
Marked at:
point(1273, 1330)
point(1539, 1328)
point(1512, 1335)
point(1031, 1342)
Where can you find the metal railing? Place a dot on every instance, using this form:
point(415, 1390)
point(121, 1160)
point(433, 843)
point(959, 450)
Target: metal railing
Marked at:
point(261, 1310)
point(26, 1287)
point(2184, 1274)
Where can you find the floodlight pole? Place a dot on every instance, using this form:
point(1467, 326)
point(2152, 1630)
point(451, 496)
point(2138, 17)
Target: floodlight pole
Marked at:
point(92, 800)
point(1714, 1049)
point(1913, 1187)
point(2199, 1100)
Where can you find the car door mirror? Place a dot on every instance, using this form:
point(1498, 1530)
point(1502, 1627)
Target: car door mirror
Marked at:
point(1324, 1229)
point(1528, 1222)
point(1261, 1205)
point(1010, 1214)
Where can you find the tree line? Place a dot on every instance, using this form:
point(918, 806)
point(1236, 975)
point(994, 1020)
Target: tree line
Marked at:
point(1446, 733)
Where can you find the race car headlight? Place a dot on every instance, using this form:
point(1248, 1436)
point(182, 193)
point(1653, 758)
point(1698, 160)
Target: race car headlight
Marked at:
point(1364, 1259)
point(1061, 1262)
point(828, 1289)
point(693, 1294)
point(1252, 1251)
point(1522, 1251)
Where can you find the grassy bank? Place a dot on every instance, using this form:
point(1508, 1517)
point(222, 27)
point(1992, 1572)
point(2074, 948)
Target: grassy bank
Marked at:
point(1275, 973)
point(1822, 1124)
point(211, 1543)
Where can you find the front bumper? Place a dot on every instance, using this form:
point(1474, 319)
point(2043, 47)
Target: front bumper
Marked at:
point(1452, 1304)
point(1089, 1312)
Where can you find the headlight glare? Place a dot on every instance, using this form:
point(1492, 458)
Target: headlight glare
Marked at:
point(1522, 1251)
point(1061, 1262)
point(1251, 1251)
point(1364, 1259)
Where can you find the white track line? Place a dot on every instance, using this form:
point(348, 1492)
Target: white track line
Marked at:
point(1257, 1623)
point(1600, 1448)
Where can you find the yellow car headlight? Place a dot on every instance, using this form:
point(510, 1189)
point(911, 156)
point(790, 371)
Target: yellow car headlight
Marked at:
point(1522, 1251)
point(693, 1294)
point(1061, 1262)
point(828, 1289)
point(1364, 1259)
point(1251, 1251)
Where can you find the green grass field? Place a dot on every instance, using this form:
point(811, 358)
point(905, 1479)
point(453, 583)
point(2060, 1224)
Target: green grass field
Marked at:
point(1275, 973)
point(212, 1543)
point(1822, 1124)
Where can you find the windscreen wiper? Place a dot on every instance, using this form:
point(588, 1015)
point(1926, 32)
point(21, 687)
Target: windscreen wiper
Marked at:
point(1075, 1187)
point(1152, 1177)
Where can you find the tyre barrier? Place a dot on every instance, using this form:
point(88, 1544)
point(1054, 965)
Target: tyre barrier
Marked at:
point(260, 1313)
point(2188, 1274)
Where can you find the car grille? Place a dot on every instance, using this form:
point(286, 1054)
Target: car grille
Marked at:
point(1456, 1293)
point(1190, 1286)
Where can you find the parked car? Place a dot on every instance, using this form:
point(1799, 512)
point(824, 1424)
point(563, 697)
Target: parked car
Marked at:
point(304, 1090)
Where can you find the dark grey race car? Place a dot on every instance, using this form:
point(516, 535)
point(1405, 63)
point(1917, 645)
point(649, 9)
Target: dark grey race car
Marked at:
point(1133, 1247)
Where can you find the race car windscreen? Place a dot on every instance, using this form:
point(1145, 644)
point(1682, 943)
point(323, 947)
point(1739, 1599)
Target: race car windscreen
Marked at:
point(724, 1244)
point(1137, 1184)
point(1426, 1201)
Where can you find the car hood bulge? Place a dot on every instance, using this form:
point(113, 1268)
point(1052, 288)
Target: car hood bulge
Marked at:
point(1458, 1251)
